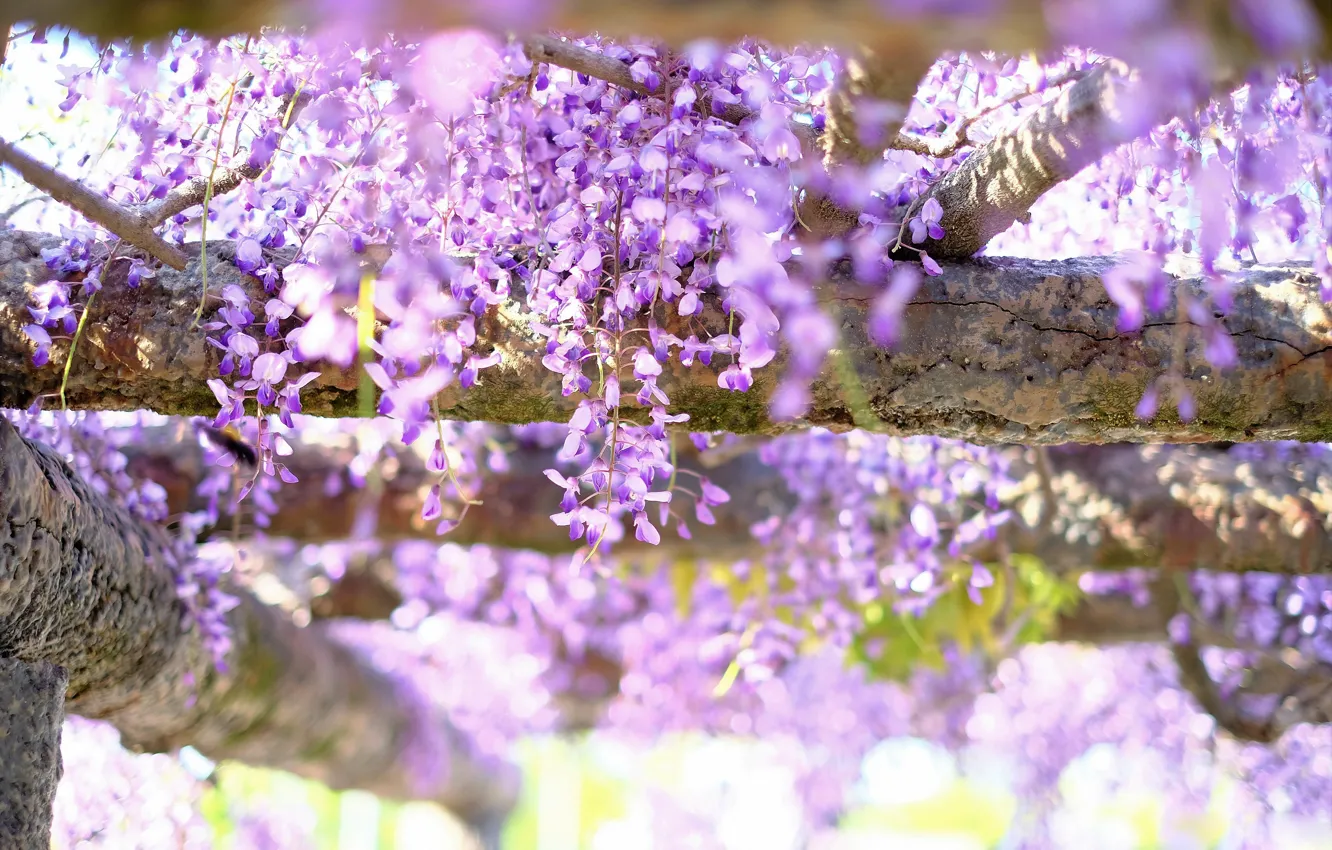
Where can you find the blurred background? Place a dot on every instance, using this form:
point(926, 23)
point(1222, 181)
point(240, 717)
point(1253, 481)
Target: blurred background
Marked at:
point(598, 793)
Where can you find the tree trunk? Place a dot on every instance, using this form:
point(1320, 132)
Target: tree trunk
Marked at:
point(86, 586)
point(32, 709)
point(993, 351)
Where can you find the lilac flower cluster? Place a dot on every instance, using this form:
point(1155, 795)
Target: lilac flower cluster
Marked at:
point(137, 801)
point(54, 306)
point(878, 519)
point(610, 212)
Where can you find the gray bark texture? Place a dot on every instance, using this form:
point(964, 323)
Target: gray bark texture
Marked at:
point(84, 585)
point(1173, 509)
point(1116, 507)
point(32, 710)
point(992, 351)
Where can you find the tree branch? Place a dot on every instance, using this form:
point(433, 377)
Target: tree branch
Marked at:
point(32, 709)
point(87, 586)
point(1194, 677)
point(868, 105)
point(98, 209)
point(1304, 691)
point(1000, 181)
point(564, 54)
point(192, 192)
point(960, 137)
point(1179, 508)
point(864, 118)
point(514, 514)
point(1010, 351)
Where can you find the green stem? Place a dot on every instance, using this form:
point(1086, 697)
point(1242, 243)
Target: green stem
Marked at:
point(365, 334)
point(208, 197)
point(852, 390)
point(69, 361)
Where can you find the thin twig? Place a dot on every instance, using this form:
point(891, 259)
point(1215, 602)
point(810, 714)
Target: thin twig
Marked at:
point(564, 54)
point(208, 195)
point(1196, 679)
point(948, 145)
point(192, 193)
point(97, 208)
point(9, 213)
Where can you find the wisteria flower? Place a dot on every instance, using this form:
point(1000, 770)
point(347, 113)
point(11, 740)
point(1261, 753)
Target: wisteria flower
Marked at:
point(926, 224)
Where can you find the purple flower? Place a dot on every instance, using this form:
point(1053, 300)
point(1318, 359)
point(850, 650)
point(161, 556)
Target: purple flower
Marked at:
point(233, 403)
point(275, 310)
point(42, 355)
point(885, 316)
point(289, 398)
point(570, 499)
point(646, 365)
point(138, 270)
point(249, 255)
point(924, 523)
point(262, 149)
point(735, 378)
point(268, 371)
point(409, 399)
point(644, 530)
point(328, 335)
point(927, 223)
point(981, 578)
point(240, 348)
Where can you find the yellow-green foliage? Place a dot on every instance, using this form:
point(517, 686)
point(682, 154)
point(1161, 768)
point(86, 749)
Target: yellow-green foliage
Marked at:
point(894, 643)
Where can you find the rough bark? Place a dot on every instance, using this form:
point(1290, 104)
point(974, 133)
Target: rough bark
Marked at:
point(95, 207)
point(865, 113)
point(86, 586)
point(993, 351)
point(1116, 506)
point(514, 514)
point(32, 709)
